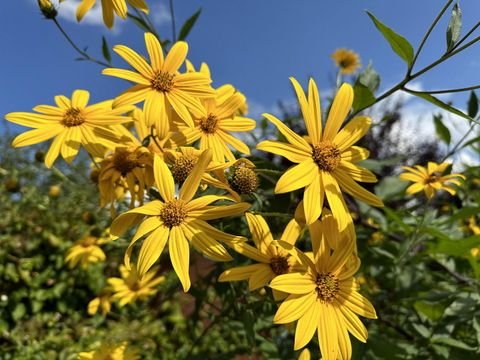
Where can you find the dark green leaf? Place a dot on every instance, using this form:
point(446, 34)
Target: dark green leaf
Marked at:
point(442, 131)
point(459, 247)
point(106, 50)
point(139, 22)
point(454, 27)
point(362, 98)
point(187, 26)
point(446, 340)
point(473, 104)
point(399, 44)
point(441, 104)
point(369, 78)
point(432, 310)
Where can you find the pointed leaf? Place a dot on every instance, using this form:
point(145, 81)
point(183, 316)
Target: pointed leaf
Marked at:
point(106, 50)
point(187, 26)
point(454, 27)
point(442, 131)
point(473, 104)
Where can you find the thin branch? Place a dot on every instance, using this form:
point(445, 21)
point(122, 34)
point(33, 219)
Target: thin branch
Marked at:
point(172, 15)
point(446, 91)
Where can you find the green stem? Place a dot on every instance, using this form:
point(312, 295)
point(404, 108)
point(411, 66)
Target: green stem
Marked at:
point(457, 145)
point(84, 55)
point(172, 15)
point(446, 91)
point(147, 21)
point(154, 137)
point(414, 239)
point(427, 34)
point(274, 214)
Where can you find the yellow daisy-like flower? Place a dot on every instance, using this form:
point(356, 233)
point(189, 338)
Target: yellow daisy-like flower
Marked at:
point(430, 179)
point(326, 162)
point(72, 123)
point(131, 287)
point(160, 84)
point(325, 298)
point(180, 221)
point(346, 60)
point(109, 7)
point(272, 259)
point(85, 251)
point(110, 351)
point(102, 301)
point(213, 128)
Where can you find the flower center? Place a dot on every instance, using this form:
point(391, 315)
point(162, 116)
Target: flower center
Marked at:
point(182, 167)
point(209, 124)
point(244, 180)
point(432, 178)
point(125, 160)
point(73, 117)
point(327, 287)
point(279, 265)
point(326, 155)
point(173, 213)
point(162, 81)
point(89, 241)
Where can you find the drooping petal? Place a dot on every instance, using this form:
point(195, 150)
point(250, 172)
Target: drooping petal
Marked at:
point(351, 187)
point(38, 135)
point(147, 226)
point(335, 200)
point(294, 307)
point(356, 172)
point(306, 327)
point(180, 255)
point(260, 231)
point(357, 303)
point(83, 8)
point(54, 149)
point(163, 179)
point(313, 199)
point(353, 324)
point(151, 249)
point(205, 244)
point(352, 132)
point(327, 332)
point(190, 186)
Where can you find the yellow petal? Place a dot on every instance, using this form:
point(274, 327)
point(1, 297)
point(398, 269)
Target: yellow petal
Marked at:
point(352, 132)
point(120, 7)
point(133, 95)
point(293, 138)
point(205, 244)
point(237, 124)
point(294, 283)
point(260, 278)
point(190, 186)
point(203, 201)
point(294, 307)
point(54, 149)
point(351, 187)
point(353, 324)
point(233, 141)
point(33, 120)
point(180, 256)
point(250, 252)
point(163, 179)
point(344, 344)
point(135, 60)
point(151, 249)
point(80, 98)
point(220, 211)
point(312, 127)
point(181, 103)
point(147, 226)
point(71, 144)
point(357, 303)
point(38, 135)
point(107, 13)
point(155, 113)
point(306, 327)
point(83, 8)
point(327, 332)
point(355, 154)
point(292, 232)
point(313, 199)
point(260, 231)
point(338, 112)
point(356, 172)
point(127, 75)
point(297, 177)
point(155, 51)
point(216, 234)
point(335, 200)
point(63, 102)
point(176, 56)
point(314, 104)
point(288, 151)
point(240, 273)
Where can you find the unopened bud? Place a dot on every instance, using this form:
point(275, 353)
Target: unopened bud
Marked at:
point(47, 9)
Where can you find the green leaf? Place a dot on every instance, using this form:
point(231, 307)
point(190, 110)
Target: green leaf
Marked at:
point(19, 311)
point(446, 340)
point(187, 26)
point(399, 44)
point(459, 247)
point(454, 27)
point(106, 50)
point(439, 103)
point(442, 131)
point(433, 311)
point(139, 22)
point(369, 78)
point(473, 104)
point(362, 98)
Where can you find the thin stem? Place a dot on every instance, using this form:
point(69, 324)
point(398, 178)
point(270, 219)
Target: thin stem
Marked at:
point(147, 20)
point(457, 145)
point(414, 239)
point(274, 214)
point(84, 55)
point(154, 137)
point(269, 171)
point(446, 91)
point(93, 160)
point(466, 36)
point(427, 34)
point(172, 15)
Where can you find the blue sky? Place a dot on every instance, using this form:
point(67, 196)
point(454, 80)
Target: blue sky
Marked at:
point(255, 45)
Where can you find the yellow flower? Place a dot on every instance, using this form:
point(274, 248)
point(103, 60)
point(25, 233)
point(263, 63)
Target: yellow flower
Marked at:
point(131, 286)
point(304, 355)
point(110, 351)
point(180, 220)
point(103, 301)
point(376, 238)
point(72, 123)
point(160, 84)
point(213, 128)
point(347, 60)
point(325, 298)
point(109, 7)
point(47, 8)
point(430, 179)
point(85, 251)
point(326, 163)
point(473, 226)
point(271, 259)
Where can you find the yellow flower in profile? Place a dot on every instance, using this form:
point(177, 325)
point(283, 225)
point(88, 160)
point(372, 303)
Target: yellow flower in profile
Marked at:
point(325, 298)
point(130, 287)
point(86, 251)
point(71, 123)
point(109, 7)
point(179, 220)
point(271, 259)
point(160, 84)
point(326, 162)
point(430, 179)
point(346, 60)
point(110, 351)
point(212, 130)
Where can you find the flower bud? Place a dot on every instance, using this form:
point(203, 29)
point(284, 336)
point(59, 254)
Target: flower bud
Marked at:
point(47, 9)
